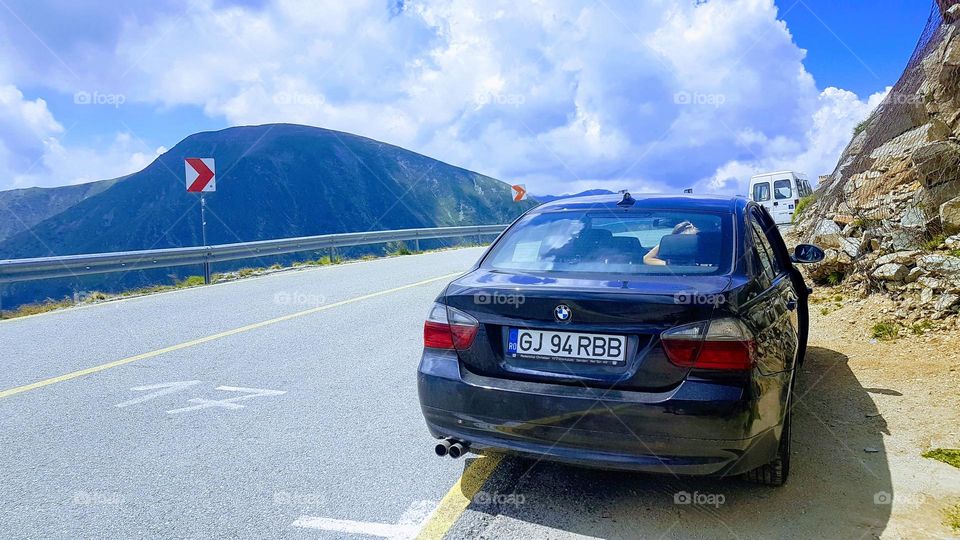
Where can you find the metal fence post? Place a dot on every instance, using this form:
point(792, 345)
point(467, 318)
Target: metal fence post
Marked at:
point(206, 271)
point(416, 245)
point(203, 229)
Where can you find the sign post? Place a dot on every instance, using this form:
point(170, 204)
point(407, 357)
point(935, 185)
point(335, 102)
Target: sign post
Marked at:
point(201, 178)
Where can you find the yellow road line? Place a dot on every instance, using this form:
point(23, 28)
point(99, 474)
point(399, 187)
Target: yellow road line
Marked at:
point(456, 500)
point(206, 339)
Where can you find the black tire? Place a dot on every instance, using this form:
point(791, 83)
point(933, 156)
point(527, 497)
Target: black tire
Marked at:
point(776, 472)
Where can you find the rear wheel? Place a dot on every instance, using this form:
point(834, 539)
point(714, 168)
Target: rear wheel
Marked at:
point(775, 473)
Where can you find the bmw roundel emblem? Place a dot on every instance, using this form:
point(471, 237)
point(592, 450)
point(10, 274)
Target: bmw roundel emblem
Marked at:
point(562, 313)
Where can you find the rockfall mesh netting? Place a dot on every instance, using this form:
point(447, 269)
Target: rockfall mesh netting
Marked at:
point(903, 163)
point(878, 159)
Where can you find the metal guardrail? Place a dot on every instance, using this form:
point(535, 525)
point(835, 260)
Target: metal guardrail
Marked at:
point(12, 270)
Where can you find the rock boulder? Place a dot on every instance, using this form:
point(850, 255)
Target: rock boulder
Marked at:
point(891, 272)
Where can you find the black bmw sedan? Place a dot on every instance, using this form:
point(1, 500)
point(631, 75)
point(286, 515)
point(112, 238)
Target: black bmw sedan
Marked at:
point(657, 333)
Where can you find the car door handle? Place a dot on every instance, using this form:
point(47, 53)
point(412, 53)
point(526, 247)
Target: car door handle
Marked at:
point(791, 305)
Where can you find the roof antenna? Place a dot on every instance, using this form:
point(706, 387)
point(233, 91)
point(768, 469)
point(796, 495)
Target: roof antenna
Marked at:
point(627, 199)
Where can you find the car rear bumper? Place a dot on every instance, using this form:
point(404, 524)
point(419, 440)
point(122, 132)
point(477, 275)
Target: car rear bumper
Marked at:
point(698, 428)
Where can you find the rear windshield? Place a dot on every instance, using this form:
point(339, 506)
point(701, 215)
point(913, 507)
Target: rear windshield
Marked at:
point(633, 242)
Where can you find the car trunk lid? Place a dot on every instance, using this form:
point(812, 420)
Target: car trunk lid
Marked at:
point(637, 308)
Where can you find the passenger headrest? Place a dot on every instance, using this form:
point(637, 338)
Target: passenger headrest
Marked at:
point(679, 249)
point(595, 235)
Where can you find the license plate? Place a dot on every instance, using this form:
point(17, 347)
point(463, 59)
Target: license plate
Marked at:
point(573, 346)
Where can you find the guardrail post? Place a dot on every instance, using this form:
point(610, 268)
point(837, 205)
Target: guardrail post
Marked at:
point(206, 272)
point(416, 245)
point(2, 286)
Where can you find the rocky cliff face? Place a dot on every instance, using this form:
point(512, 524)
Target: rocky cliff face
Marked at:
point(889, 215)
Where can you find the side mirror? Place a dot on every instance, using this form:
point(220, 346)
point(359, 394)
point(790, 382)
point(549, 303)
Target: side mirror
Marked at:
point(807, 253)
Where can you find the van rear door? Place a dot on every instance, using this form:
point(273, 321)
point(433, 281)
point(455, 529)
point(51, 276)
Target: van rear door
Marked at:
point(785, 194)
point(760, 191)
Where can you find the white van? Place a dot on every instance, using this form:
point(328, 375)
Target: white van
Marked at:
point(780, 192)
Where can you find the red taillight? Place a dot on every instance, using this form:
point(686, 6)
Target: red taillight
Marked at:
point(449, 328)
point(724, 344)
point(437, 335)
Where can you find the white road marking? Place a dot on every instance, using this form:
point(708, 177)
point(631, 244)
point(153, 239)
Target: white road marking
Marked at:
point(227, 403)
point(410, 524)
point(162, 390)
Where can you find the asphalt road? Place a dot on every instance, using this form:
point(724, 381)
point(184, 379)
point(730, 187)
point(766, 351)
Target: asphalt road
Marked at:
point(285, 406)
point(324, 425)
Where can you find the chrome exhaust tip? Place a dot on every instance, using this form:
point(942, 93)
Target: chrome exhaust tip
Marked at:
point(457, 449)
point(443, 447)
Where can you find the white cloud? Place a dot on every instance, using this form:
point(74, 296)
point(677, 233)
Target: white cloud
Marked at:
point(32, 154)
point(815, 154)
point(562, 95)
point(75, 165)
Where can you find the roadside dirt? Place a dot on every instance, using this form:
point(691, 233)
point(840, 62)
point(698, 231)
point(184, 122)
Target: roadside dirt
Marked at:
point(914, 383)
point(865, 411)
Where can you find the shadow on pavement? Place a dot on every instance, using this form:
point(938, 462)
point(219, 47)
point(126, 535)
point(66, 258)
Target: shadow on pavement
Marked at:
point(836, 488)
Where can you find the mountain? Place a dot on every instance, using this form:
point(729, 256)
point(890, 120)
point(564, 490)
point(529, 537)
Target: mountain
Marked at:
point(273, 181)
point(24, 208)
point(551, 198)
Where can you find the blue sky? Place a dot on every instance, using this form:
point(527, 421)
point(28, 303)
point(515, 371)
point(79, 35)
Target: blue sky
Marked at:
point(651, 95)
point(857, 45)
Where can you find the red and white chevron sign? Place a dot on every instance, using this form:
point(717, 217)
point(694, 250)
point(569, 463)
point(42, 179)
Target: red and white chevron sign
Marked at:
point(519, 192)
point(201, 177)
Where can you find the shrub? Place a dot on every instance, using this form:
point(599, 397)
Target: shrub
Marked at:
point(398, 248)
point(885, 331)
point(950, 456)
point(952, 515)
point(803, 205)
point(861, 127)
point(933, 243)
point(191, 281)
point(921, 327)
